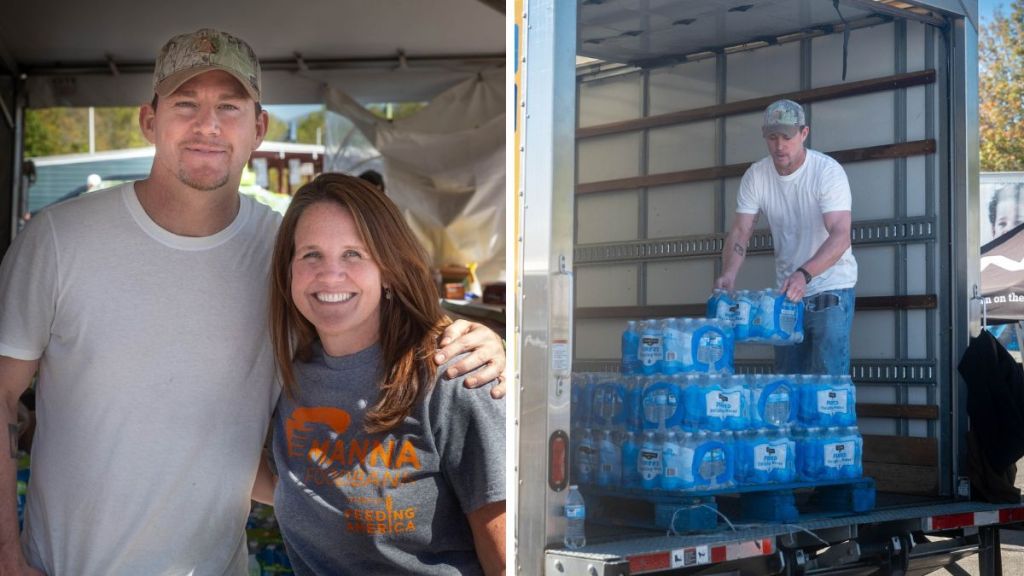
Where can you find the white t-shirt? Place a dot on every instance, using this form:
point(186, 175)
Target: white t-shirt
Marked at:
point(155, 390)
point(794, 206)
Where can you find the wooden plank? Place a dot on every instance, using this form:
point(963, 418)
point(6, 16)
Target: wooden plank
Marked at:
point(900, 450)
point(899, 150)
point(909, 411)
point(831, 92)
point(903, 479)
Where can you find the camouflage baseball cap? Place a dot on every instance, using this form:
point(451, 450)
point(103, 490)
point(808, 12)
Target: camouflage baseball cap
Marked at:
point(187, 55)
point(783, 116)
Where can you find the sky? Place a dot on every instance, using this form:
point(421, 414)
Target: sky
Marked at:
point(987, 7)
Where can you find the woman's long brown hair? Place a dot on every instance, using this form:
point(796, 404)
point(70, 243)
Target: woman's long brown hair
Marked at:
point(410, 321)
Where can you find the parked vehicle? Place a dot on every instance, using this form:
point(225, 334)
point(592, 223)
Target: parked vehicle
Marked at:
point(636, 122)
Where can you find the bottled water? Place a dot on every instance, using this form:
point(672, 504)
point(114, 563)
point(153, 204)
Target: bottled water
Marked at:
point(677, 344)
point(579, 412)
point(827, 401)
point(671, 456)
point(630, 348)
point(746, 313)
point(721, 306)
point(694, 403)
point(663, 404)
point(713, 461)
point(634, 389)
point(610, 457)
point(765, 455)
point(630, 461)
point(712, 344)
point(649, 462)
point(810, 462)
point(841, 453)
point(651, 351)
point(585, 458)
point(773, 400)
point(789, 324)
point(725, 404)
point(608, 408)
point(575, 517)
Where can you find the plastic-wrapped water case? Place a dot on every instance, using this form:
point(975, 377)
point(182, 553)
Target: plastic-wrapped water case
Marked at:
point(721, 306)
point(712, 347)
point(827, 401)
point(712, 460)
point(773, 400)
point(651, 351)
point(765, 456)
point(724, 403)
point(829, 453)
point(663, 403)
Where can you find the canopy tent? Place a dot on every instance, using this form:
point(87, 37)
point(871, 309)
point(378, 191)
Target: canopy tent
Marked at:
point(1002, 276)
point(66, 53)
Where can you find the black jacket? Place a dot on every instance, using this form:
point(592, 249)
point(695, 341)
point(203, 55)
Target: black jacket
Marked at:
point(995, 400)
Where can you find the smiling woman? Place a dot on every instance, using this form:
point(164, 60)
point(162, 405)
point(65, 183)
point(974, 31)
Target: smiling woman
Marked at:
point(369, 435)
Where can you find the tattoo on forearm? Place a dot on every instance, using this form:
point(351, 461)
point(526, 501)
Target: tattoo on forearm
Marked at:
point(739, 249)
point(12, 431)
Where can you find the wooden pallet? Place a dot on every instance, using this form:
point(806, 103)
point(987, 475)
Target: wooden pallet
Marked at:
point(688, 512)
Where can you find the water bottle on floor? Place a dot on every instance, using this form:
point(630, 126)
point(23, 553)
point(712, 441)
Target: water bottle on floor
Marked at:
point(575, 515)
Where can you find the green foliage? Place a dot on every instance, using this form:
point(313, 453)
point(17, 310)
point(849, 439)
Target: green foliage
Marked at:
point(277, 129)
point(50, 131)
point(1001, 91)
point(306, 132)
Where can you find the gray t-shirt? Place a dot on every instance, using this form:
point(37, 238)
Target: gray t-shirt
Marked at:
point(349, 502)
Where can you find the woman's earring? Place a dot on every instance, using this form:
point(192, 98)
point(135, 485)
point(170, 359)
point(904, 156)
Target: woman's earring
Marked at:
point(387, 293)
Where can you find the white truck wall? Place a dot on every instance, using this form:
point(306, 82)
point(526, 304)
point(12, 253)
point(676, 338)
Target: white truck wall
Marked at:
point(887, 191)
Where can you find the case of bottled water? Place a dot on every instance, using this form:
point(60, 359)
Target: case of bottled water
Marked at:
point(773, 400)
point(827, 401)
point(765, 455)
point(651, 351)
point(831, 453)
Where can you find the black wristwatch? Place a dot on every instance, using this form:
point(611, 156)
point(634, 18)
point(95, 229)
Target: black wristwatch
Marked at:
point(807, 275)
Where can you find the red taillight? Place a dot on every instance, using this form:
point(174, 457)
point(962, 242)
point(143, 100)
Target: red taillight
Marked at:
point(558, 461)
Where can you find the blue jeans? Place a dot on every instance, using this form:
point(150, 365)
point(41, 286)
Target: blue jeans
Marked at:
point(826, 345)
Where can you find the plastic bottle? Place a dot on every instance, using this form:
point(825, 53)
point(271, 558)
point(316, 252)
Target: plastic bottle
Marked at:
point(673, 343)
point(663, 404)
point(746, 309)
point(579, 411)
point(670, 460)
point(630, 348)
point(789, 321)
point(630, 459)
point(841, 453)
point(608, 404)
point(721, 306)
point(610, 457)
point(725, 405)
point(785, 470)
point(575, 517)
point(633, 408)
point(713, 460)
point(686, 328)
point(773, 401)
point(712, 344)
point(651, 351)
point(649, 462)
point(585, 456)
point(810, 462)
point(694, 405)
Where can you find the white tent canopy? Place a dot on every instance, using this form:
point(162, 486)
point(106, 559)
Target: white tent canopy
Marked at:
point(100, 53)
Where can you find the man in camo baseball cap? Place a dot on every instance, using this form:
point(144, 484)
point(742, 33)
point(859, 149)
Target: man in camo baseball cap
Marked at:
point(783, 117)
point(188, 55)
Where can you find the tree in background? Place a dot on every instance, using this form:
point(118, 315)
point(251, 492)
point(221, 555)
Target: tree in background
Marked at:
point(1001, 91)
point(50, 131)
